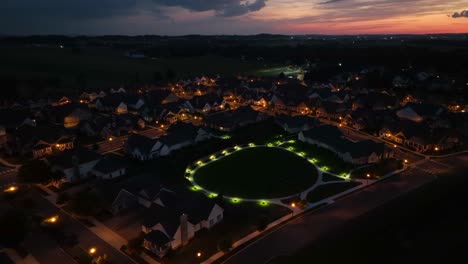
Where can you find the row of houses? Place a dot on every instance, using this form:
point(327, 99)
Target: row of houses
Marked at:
point(331, 138)
point(80, 163)
point(178, 136)
point(170, 218)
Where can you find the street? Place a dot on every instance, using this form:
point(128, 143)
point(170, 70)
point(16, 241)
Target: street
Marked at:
point(290, 237)
point(49, 252)
point(117, 143)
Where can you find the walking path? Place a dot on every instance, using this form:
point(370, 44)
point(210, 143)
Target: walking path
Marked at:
point(99, 229)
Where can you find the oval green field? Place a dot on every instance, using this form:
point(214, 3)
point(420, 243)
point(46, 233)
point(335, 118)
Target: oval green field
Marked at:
point(257, 173)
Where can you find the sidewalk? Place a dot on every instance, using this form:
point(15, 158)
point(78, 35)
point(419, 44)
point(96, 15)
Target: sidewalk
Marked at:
point(297, 211)
point(253, 235)
point(8, 164)
point(99, 229)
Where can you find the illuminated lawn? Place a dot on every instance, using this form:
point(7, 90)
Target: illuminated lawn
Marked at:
point(257, 173)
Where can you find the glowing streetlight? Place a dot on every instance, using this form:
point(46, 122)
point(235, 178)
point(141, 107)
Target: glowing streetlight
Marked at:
point(293, 205)
point(436, 148)
point(52, 220)
point(199, 254)
point(110, 139)
point(11, 189)
point(406, 161)
point(92, 251)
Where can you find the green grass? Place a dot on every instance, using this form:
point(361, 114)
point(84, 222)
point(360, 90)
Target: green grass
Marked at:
point(323, 157)
point(239, 221)
point(257, 173)
point(326, 177)
point(105, 67)
point(327, 190)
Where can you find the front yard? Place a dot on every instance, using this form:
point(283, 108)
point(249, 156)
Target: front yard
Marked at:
point(239, 220)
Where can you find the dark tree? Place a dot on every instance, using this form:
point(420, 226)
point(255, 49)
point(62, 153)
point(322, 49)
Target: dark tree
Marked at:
point(281, 76)
point(13, 228)
point(35, 171)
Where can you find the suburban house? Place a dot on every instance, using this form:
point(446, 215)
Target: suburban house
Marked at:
point(113, 126)
point(230, 120)
point(419, 136)
point(68, 115)
point(206, 103)
point(41, 140)
point(331, 110)
point(76, 164)
point(120, 103)
point(170, 218)
point(296, 124)
point(418, 112)
point(13, 119)
point(331, 138)
point(140, 147)
point(109, 168)
point(180, 135)
point(174, 218)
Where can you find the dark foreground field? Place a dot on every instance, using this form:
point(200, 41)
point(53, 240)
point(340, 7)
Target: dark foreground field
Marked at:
point(429, 225)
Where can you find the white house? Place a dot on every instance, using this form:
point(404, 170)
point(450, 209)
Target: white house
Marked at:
point(108, 168)
point(76, 164)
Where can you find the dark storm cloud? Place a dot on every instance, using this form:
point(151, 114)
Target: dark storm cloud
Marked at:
point(463, 13)
point(225, 8)
point(66, 9)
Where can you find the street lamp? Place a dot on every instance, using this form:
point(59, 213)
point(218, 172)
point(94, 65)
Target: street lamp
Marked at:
point(199, 254)
point(52, 220)
point(368, 176)
point(92, 251)
point(11, 189)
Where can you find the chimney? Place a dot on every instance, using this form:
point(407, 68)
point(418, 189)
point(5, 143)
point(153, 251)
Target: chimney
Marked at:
point(184, 230)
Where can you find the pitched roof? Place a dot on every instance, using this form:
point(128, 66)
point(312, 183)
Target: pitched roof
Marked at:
point(142, 143)
point(67, 158)
point(108, 165)
point(425, 110)
point(157, 237)
point(234, 117)
point(296, 121)
point(332, 136)
point(13, 118)
point(179, 132)
point(48, 133)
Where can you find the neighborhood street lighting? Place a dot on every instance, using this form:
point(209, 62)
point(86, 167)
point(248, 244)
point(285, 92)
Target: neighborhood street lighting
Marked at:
point(199, 254)
point(11, 189)
point(92, 251)
point(52, 220)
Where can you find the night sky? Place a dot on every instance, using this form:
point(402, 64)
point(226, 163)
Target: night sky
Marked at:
point(179, 17)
